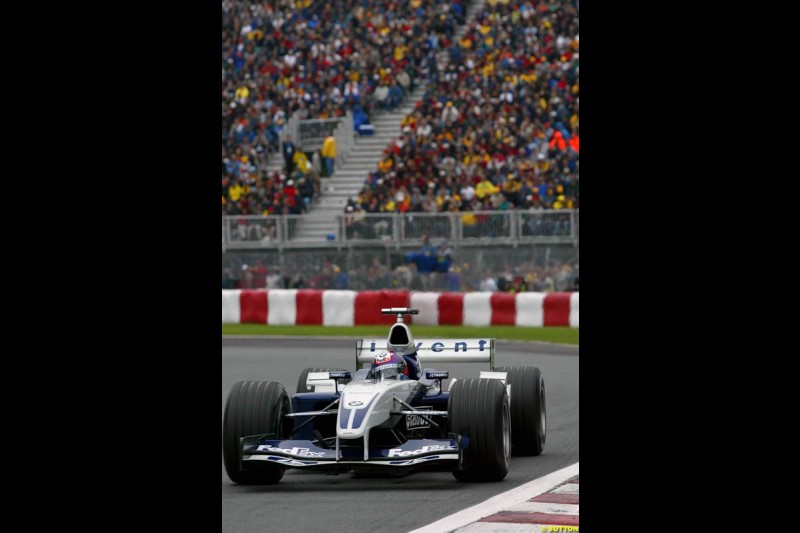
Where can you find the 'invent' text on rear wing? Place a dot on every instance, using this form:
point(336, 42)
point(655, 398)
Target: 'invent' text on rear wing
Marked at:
point(433, 351)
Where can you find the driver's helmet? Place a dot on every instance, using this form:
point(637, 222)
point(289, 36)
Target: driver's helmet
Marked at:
point(389, 365)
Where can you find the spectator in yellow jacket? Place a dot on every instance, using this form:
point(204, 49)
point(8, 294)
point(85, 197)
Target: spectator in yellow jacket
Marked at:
point(235, 192)
point(486, 188)
point(300, 161)
point(328, 154)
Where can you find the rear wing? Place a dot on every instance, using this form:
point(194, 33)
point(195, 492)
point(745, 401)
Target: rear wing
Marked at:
point(433, 351)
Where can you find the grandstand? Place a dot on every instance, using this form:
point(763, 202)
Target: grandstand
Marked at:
point(459, 120)
point(291, 62)
point(498, 127)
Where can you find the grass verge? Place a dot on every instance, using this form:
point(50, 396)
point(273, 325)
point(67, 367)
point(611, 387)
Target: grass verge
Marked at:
point(561, 335)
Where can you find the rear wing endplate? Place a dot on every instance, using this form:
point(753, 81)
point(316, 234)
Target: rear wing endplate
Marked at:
point(433, 351)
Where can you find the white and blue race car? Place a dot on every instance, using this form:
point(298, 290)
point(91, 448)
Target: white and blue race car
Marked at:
point(385, 422)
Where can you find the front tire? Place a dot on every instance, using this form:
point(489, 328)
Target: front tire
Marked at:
point(253, 408)
point(528, 409)
point(479, 409)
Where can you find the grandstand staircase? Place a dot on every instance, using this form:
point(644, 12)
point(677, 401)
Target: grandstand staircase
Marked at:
point(349, 174)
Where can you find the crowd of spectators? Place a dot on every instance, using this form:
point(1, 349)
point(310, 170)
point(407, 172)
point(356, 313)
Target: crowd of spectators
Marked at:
point(428, 268)
point(284, 58)
point(498, 128)
point(526, 277)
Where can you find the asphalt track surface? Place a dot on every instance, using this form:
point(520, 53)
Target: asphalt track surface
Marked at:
point(316, 502)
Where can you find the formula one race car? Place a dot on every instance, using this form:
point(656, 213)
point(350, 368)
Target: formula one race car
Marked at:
point(383, 420)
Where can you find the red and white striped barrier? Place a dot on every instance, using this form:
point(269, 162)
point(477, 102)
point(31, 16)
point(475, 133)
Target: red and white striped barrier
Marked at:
point(350, 308)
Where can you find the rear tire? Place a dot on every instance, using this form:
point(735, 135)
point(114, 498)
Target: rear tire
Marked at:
point(528, 409)
point(479, 409)
point(253, 408)
point(301, 381)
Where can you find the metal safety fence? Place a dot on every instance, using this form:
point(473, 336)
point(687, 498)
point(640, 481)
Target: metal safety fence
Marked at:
point(394, 229)
point(309, 134)
point(507, 226)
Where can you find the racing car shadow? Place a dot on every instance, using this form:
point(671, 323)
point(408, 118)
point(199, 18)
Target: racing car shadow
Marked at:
point(349, 482)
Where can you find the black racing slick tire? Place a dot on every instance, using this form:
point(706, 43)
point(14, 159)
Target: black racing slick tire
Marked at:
point(478, 409)
point(528, 409)
point(253, 408)
point(301, 381)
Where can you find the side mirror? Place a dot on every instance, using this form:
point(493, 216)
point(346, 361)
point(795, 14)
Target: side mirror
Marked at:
point(438, 375)
point(337, 375)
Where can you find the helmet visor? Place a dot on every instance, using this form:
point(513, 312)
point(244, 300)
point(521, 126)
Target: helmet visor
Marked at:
point(390, 371)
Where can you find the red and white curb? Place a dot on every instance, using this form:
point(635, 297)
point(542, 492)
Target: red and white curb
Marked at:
point(290, 307)
point(548, 504)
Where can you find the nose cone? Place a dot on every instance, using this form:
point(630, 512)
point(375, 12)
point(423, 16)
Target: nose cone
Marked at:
point(356, 405)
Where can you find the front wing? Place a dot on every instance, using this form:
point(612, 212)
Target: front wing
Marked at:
point(307, 455)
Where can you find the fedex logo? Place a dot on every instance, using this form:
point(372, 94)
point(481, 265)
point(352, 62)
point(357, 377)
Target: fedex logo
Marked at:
point(398, 452)
point(440, 346)
point(303, 452)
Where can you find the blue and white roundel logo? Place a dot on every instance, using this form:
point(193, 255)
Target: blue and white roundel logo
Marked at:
point(355, 403)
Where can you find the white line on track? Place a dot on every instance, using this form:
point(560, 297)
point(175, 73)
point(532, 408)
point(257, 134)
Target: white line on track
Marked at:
point(500, 502)
point(543, 507)
point(567, 488)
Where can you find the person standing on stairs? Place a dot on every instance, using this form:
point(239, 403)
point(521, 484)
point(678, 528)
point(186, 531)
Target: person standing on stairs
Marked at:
point(328, 154)
point(288, 154)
